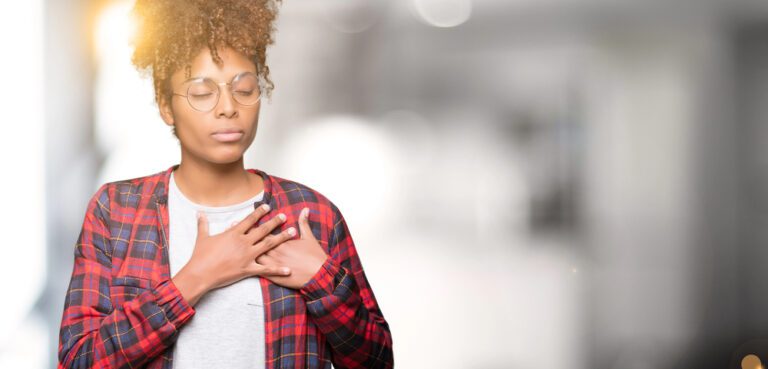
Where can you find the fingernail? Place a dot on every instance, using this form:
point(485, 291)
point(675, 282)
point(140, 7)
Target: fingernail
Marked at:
point(305, 212)
point(282, 216)
point(265, 207)
point(292, 231)
point(285, 270)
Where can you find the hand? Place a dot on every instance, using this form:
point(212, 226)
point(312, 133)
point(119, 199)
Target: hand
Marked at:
point(230, 256)
point(304, 256)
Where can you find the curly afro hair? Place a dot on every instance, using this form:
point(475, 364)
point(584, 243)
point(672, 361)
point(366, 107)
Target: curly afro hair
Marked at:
point(171, 33)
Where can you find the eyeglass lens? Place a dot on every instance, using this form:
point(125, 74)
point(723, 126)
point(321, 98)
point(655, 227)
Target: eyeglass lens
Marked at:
point(204, 94)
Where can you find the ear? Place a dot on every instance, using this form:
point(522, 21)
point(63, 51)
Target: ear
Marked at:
point(166, 111)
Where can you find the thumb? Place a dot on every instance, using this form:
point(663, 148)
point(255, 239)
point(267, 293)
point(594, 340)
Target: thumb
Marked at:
point(306, 231)
point(202, 224)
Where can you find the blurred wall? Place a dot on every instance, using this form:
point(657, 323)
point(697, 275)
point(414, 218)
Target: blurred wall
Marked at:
point(71, 158)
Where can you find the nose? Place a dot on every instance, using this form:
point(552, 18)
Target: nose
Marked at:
point(226, 106)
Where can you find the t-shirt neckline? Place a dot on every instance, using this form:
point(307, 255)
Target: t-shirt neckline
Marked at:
point(211, 209)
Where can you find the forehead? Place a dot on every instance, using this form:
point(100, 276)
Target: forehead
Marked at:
point(203, 65)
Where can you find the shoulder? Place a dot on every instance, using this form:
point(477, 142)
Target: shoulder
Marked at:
point(296, 196)
point(293, 193)
point(130, 192)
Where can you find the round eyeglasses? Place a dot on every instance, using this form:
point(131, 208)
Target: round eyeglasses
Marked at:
point(203, 93)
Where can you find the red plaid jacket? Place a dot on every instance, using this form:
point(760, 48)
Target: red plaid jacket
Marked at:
point(122, 309)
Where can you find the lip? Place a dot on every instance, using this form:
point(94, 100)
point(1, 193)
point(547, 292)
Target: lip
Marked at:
point(227, 135)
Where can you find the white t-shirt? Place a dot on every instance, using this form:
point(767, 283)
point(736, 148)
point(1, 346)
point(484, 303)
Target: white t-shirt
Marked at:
point(227, 330)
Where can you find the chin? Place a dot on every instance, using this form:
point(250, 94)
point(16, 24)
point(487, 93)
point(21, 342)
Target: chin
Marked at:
point(226, 156)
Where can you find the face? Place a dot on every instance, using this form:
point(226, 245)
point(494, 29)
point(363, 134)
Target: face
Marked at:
point(222, 134)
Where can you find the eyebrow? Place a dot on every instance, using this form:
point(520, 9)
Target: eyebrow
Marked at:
point(194, 78)
point(203, 77)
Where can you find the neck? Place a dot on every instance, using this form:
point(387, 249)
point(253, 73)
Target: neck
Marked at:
point(212, 184)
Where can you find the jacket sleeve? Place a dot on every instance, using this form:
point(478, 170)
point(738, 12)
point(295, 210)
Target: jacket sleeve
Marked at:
point(341, 303)
point(96, 334)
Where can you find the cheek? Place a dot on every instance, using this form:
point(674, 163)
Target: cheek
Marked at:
point(189, 124)
point(251, 115)
point(254, 126)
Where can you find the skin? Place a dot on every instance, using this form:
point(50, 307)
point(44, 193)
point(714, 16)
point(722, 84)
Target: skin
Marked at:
point(212, 173)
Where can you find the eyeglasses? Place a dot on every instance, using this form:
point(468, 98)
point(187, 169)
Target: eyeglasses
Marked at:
point(203, 93)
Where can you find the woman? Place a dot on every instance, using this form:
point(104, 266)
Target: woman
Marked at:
point(208, 264)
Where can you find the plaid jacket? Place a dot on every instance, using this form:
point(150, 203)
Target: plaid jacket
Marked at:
point(123, 311)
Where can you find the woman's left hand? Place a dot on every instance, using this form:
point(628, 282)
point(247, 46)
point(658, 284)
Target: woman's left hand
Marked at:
point(304, 256)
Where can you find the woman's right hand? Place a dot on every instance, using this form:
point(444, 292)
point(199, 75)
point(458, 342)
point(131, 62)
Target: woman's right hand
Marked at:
point(230, 256)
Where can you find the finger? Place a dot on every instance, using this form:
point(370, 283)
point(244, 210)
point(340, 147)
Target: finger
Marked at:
point(263, 270)
point(258, 233)
point(246, 224)
point(270, 242)
point(306, 231)
point(202, 225)
point(266, 259)
point(231, 225)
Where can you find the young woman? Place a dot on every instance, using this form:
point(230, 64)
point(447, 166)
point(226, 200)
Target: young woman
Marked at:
point(208, 264)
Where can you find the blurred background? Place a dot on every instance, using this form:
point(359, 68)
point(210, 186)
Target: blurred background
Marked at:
point(549, 184)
